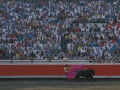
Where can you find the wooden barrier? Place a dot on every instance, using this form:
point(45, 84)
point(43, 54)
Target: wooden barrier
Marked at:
point(55, 70)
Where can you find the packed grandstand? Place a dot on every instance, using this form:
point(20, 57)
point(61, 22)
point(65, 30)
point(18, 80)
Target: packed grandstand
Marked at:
point(60, 29)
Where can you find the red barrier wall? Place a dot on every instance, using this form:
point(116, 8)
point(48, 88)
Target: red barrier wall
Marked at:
point(55, 70)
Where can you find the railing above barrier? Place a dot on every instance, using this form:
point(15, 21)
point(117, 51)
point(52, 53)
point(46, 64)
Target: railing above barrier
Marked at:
point(36, 61)
point(58, 61)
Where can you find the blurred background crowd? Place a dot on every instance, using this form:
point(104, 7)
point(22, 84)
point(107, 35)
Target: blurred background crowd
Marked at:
point(60, 29)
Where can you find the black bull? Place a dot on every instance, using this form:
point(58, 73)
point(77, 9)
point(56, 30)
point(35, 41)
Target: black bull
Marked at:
point(88, 73)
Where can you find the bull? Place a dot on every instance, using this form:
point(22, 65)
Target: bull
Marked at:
point(88, 73)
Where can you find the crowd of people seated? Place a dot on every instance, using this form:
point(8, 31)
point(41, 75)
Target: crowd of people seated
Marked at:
point(35, 29)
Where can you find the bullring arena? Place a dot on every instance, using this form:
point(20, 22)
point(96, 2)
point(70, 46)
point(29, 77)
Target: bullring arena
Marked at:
point(51, 76)
point(53, 84)
point(39, 37)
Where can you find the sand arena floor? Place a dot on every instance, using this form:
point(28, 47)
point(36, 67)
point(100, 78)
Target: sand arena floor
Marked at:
point(59, 85)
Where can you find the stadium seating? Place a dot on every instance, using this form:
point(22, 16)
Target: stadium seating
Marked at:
point(58, 29)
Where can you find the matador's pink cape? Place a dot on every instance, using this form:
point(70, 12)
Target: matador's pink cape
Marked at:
point(72, 72)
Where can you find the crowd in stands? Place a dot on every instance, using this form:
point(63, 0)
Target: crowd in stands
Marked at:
point(59, 29)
